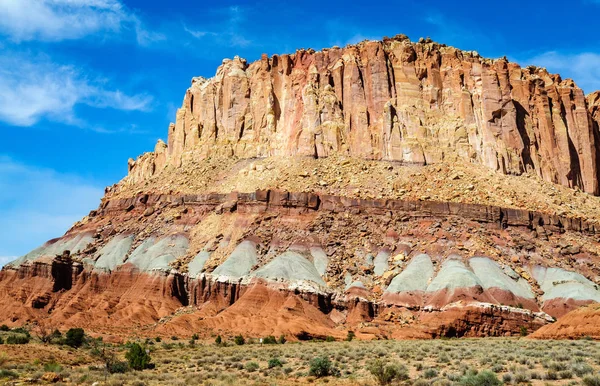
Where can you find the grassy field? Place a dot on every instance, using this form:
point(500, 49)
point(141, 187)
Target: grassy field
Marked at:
point(434, 362)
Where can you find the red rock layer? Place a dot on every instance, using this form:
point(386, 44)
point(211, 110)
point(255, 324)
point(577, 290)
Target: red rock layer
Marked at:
point(305, 202)
point(579, 323)
point(127, 302)
point(61, 291)
point(389, 100)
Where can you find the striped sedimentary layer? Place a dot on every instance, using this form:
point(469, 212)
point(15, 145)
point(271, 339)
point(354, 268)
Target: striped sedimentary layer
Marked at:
point(301, 265)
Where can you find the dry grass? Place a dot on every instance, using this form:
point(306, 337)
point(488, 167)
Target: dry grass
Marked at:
point(439, 362)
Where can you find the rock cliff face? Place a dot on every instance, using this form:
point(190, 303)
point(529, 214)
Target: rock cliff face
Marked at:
point(395, 189)
point(391, 100)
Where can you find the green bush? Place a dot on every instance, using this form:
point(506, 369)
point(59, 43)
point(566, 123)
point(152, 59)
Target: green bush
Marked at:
point(274, 362)
point(282, 339)
point(330, 338)
point(137, 357)
point(251, 367)
point(321, 367)
point(551, 375)
point(565, 374)
point(582, 369)
point(269, 340)
point(195, 337)
point(591, 380)
point(218, 340)
point(118, 367)
point(1, 340)
point(522, 329)
point(4, 327)
point(17, 339)
point(53, 367)
point(239, 340)
point(430, 373)
point(484, 378)
point(74, 337)
point(158, 339)
point(351, 335)
point(8, 374)
point(385, 375)
point(21, 330)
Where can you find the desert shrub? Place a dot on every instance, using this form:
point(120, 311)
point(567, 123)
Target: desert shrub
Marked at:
point(53, 367)
point(17, 339)
point(195, 337)
point(274, 362)
point(269, 340)
point(251, 367)
point(21, 330)
point(158, 339)
point(8, 374)
point(484, 378)
point(239, 340)
point(551, 375)
point(74, 337)
point(4, 327)
point(218, 340)
point(430, 373)
point(351, 335)
point(591, 380)
point(557, 366)
point(282, 339)
point(385, 375)
point(174, 337)
point(1, 340)
point(507, 378)
point(521, 377)
point(118, 367)
point(565, 374)
point(581, 369)
point(522, 329)
point(329, 338)
point(321, 367)
point(55, 337)
point(137, 357)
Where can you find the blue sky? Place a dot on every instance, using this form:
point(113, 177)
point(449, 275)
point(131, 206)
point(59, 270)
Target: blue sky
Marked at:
point(86, 84)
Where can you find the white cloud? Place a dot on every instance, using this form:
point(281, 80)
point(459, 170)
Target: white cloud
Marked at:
point(36, 88)
point(38, 204)
point(584, 67)
point(56, 20)
point(6, 259)
point(229, 30)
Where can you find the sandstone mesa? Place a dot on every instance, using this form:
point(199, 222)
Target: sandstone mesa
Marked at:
point(392, 188)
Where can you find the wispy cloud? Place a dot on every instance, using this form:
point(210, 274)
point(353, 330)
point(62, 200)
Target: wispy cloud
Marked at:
point(229, 29)
point(33, 88)
point(6, 259)
point(56, 20)
point(584, 67)
point(127, 129)
point(38, 204)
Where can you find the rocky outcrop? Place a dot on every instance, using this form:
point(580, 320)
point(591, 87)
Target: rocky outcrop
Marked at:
point(303, 202)
point(302, 265)
point(389, 100)
point(580, 323)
